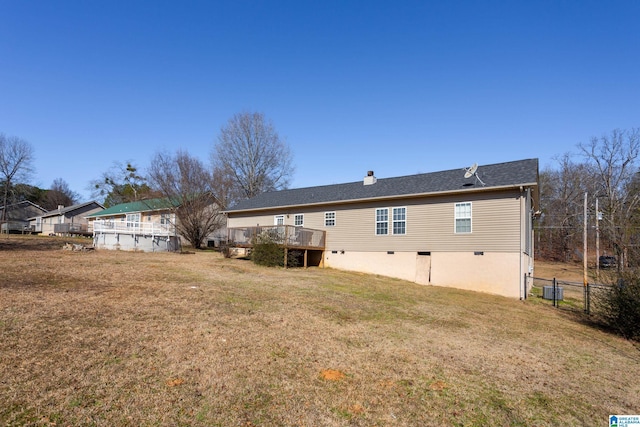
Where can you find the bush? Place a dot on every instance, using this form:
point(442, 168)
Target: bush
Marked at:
point(294, 258)
point(620, 306)
point(268, 253)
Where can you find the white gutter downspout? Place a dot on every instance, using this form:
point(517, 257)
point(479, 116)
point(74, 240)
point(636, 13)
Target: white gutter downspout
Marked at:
point(522, 284)
point(527, 236)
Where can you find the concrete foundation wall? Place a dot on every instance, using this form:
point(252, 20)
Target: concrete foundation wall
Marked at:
point(130, 242)
point(496, 273)
point(492, 272)
point(401, 265)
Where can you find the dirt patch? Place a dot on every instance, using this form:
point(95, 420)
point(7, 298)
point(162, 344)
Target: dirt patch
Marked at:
point(332, 375)
point(174, 382)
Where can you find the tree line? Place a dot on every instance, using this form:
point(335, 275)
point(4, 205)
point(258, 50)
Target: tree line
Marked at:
point(603, 171)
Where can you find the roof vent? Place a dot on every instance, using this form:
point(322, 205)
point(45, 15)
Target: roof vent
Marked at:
point(369, 179)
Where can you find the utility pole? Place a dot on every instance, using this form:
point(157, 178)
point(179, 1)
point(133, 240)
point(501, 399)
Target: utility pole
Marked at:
point(597, 242)
point(584, 238)
point(587, 299)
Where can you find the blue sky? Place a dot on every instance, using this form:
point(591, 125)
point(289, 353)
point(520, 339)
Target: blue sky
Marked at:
point(395, 87)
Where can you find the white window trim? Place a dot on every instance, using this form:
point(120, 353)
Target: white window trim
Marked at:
point(276, 218)
point(332, 219)
point(375, 229)
point(295, 218)
point(390, 221)
point(394, 221)
point(133, 219)
point(456, 218)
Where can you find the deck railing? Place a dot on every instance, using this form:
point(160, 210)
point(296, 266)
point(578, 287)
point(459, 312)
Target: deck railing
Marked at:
point(132, 227)
point(13, 226)
point(71, 228)
point(285, 235)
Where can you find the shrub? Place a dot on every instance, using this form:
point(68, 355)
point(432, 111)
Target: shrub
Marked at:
point(268, 253)
point(620, 305)
point(294, 258)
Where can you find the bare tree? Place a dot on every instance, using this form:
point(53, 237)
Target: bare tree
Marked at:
point(562, 200)
point(60, 195)
point(614, 161)
point(251, 154)
point(225, 188)
point(189, 185)
point(121, 184)
point(16, 157)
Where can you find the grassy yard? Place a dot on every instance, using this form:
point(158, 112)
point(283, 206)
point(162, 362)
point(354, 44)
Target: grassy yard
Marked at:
point(110, 338)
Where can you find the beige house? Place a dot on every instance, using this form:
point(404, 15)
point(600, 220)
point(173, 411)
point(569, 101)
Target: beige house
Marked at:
point(145, 225)
point(70, 220)
point(458, 228)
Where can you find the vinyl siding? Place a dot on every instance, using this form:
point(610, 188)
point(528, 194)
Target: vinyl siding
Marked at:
point(430, 224)
point(431, 227)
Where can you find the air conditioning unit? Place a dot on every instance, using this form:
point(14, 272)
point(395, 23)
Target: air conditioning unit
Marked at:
point(547, 293)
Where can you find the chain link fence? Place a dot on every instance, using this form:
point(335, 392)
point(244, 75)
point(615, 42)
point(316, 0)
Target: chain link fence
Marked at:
point(565, 295)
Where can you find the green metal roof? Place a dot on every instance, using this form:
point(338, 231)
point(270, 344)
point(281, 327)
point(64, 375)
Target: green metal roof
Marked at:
point(137, 206)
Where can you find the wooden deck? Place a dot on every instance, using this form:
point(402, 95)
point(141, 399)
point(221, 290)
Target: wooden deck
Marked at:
point(72, 229)
point(287, 236)
point(309, 241)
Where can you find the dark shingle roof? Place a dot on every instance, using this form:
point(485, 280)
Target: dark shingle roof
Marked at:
point(56, 212)
point(521, 172)
point(23, 203)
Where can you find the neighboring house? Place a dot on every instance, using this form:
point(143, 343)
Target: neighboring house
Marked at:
point(464, 230)
point(17, 216)
point(70, 220)
point(145, 225)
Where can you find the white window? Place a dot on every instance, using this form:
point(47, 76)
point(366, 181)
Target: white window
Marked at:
point(329, 219)
point(133, 220)
point(298, 220)
point(278, 220)
point(382, 221)
point(165, 219)
point(463, 217)
point(399, 220)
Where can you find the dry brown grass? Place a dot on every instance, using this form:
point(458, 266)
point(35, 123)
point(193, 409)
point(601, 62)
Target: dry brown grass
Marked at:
point(570, 272)
point(111, 338)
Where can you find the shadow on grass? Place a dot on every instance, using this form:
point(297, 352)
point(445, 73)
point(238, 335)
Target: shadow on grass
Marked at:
point(13, 242)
